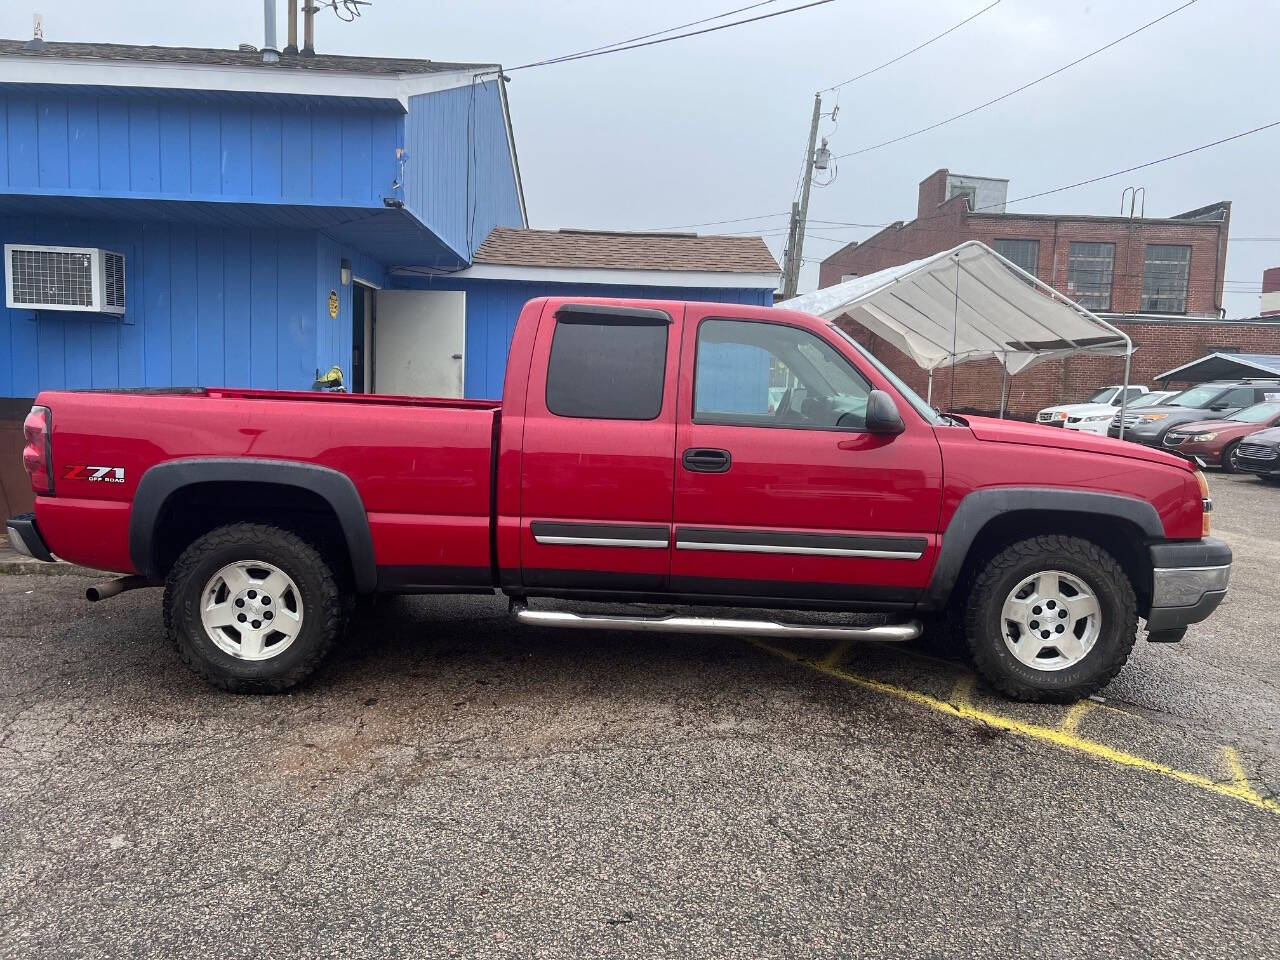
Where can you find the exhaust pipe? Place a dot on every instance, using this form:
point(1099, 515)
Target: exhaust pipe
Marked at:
point(109, 588)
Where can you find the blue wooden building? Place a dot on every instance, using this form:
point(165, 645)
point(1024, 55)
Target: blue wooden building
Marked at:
point(175, 216)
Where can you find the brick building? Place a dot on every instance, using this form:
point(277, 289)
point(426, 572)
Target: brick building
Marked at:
point(1158, 279)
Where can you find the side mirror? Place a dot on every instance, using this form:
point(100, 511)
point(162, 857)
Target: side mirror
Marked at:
point(883, 415)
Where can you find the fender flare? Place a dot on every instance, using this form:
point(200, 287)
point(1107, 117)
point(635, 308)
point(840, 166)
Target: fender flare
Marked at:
point(977, 509)
point(163, 480)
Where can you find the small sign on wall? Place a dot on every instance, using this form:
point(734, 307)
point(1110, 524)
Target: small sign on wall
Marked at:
point(333, 304)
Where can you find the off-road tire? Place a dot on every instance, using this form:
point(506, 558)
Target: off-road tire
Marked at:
point(984, 630)
point(324, 605)
point(1228, 457)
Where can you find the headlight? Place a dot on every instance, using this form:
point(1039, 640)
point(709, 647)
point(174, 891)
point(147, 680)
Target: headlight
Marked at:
point(1153, 417)
point(1201, 437)
point(1099, 418)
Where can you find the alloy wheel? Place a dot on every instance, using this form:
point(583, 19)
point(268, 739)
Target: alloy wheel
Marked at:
point(251, 610)
point(1051, 620)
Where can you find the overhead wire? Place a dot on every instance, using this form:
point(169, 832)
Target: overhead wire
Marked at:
point(622, 48)
point(1017, 90)
point(658, 33)
point(915, 49)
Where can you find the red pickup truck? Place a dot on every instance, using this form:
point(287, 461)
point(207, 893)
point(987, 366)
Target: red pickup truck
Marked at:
point(653, 452)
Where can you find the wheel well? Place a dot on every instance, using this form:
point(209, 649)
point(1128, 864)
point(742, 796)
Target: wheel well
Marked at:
point(193, 510)
point(1121, 538)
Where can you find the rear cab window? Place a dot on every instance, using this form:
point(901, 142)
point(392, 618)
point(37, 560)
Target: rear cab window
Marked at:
point(608, 365)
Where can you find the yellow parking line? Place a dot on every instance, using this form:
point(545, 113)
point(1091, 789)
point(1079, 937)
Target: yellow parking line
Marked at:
point(1239, 790)
point(837, 653)
point(1231, 759)
point(1071, 724)
point(962, 692)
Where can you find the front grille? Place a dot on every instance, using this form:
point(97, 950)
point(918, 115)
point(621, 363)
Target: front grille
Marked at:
point(1173, 439)
point(1044, 417)
point(1257, 451)
point(1130, 420)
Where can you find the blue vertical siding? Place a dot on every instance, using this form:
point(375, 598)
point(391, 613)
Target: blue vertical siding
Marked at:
point(458, 176)
point(207, 306)
point(84, 144)
point(493, 307)
point(333, 344)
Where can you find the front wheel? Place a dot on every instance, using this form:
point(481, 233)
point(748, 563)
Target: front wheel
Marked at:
point(253, 608)
point(1051, 619)
point(1230, 458)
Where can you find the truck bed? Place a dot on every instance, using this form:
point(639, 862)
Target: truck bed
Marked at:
point(422, 467)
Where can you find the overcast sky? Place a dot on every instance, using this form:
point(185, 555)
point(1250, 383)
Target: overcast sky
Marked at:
point(714, 127)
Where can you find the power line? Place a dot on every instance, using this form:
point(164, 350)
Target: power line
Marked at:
point(1069, 186)
point(624, 46)
point(916, 49)
point(657, 33)
point(715, 223)
point(1149, 163)
point(1017, 90)
point(1109, 176)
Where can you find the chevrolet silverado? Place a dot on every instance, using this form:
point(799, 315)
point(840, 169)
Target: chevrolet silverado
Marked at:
point(658, 453)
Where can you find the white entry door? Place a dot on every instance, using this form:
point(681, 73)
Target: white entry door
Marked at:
point(419, 342)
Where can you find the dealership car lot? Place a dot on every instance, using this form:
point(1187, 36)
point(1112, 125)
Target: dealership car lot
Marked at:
point(451, 784)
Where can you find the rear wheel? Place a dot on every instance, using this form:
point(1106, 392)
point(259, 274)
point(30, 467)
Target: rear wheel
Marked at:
point(1230, 461)
point(1051, 619)
point(252, 608)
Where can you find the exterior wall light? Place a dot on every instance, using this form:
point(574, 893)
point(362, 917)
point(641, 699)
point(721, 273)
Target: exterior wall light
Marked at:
point(344, 273)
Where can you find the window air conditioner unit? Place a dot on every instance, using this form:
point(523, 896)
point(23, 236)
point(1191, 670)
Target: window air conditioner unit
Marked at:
point(88, 279)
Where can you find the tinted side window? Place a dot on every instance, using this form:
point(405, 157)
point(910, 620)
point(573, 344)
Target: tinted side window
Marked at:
point(607, 368)
point(771, 375)
point(1239, 397)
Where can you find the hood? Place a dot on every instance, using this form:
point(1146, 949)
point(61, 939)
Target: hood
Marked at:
point(1171, 410)
point(1218, 426)
point(1012, 431)
point(1269, 435)
point(1078, 409)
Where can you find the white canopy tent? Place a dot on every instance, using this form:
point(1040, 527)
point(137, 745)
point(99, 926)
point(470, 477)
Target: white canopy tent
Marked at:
point(968, 303)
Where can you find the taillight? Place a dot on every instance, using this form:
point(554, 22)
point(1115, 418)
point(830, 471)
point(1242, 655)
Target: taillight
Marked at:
point(36, 455)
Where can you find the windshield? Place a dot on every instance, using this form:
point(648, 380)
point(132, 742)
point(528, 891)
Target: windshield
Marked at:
point(1258, 413)
point(1102, 396)
point(908, 394)
point(1197, 397)
point(1150, 399)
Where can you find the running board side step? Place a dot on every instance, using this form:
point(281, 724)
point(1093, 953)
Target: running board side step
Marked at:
point(892, 633)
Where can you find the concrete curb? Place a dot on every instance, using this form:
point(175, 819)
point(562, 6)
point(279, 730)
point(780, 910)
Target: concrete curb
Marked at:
point(20, 566)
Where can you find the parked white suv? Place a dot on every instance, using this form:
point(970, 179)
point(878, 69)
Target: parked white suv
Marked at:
point(1098, 421)
point(1103, 401)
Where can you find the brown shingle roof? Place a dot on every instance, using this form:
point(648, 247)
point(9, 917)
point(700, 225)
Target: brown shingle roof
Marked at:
point(229, 58)
point(602, 249)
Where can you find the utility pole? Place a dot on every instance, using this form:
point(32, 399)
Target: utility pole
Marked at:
point(800, 213)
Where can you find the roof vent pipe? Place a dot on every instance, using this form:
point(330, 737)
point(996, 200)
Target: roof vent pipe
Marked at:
point(269, 52)
point(292, 46)
point(309, 10)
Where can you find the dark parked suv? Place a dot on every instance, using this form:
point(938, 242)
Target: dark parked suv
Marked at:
point(1208, 401)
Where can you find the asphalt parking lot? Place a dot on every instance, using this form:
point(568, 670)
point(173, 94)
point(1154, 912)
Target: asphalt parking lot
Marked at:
point(455, 785)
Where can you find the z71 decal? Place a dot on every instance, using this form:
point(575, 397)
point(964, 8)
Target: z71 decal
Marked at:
point(95, 474)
